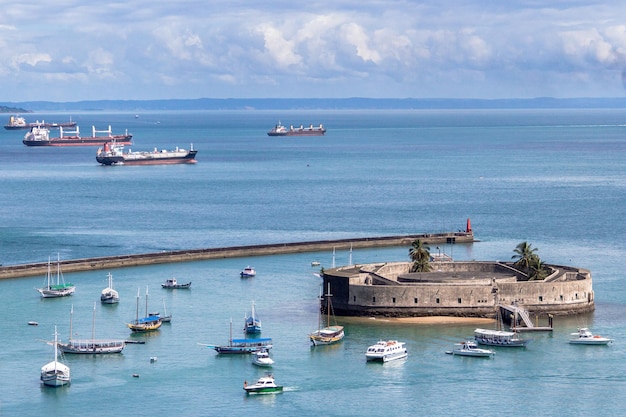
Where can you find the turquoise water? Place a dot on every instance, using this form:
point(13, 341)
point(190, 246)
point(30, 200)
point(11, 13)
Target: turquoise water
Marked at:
point(552, 177)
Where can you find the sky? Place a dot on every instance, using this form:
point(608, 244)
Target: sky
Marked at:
point(74, 50)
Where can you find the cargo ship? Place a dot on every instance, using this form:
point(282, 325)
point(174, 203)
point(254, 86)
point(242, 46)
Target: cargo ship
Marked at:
point(113, 154)
point(18, 122)
point(280, 130)
point(40, 136)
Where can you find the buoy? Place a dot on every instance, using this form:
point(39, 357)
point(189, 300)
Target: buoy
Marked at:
point(135, 375)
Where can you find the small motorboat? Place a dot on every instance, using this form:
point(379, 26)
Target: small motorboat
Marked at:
point(265, 385)
point(470, 348)
point(262, 358)
point(385, 351)
point(248, 271)
point(584, 337)
point(172, 283)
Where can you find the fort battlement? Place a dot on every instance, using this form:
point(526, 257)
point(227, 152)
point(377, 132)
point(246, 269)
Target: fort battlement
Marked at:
point(465, 289)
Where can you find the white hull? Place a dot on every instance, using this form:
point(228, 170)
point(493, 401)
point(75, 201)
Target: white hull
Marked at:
point(386, 351)
point(50, 293)
point(55, 380)
point(93, 346)
point(585, 337)
point(320, 337)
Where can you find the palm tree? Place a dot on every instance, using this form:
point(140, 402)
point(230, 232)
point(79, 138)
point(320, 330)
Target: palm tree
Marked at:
point(420, 255)
point(528, 261)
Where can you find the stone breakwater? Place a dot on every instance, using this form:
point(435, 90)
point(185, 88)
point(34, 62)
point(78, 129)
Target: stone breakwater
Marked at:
point(122, 261)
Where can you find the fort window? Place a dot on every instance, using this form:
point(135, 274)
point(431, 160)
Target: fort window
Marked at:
point(459, 301)
point(576, 296)
point(437, 300)
point(561, 297)
point(354, 298)
point(393, 300)
point(415, 300)
point(373, 299)
point(540, 298)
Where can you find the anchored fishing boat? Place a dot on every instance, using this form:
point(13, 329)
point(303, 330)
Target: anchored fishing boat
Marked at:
point(147, 323)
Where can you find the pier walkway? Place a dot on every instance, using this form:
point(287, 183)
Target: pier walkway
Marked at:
point(122, 261)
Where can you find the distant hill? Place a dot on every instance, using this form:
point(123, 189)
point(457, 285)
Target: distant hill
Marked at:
point(312, 104)
point(7, 109)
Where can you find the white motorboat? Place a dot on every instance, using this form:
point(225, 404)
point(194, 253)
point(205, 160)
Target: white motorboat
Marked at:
point(109, 295)
point(248, 271)
point(265, 385)
point(262, 358)
point(385, 351)
point(470, 348)
point(55, 374)
point(584, 337)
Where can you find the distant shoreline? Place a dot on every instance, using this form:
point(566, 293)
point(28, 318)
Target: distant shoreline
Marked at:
point(319, 104)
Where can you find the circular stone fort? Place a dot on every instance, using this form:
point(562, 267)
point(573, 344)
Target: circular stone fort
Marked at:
point(462, 289)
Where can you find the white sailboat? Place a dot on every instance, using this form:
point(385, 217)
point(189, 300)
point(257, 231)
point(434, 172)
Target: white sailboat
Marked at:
point(60, 289)
point(55, 374)
point(92, 345)
point(109, 295)
point(330, 333)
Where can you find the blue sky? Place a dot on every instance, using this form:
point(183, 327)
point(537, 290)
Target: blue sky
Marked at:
point(72, 50)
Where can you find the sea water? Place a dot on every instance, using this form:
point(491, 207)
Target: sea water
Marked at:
point(553, 178)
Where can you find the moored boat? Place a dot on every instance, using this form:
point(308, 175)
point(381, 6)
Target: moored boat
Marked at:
point(265, 385)
point(252, 323)
point(172, 283)
point(262, 358)
point(498, 338)
point(584, 337)
point(469, 348)
point(55, 374)
point(40, 136)
point(280, 130)
point(331, 333)
point(147, 323)
point(248, 271)
point(93, 345)
point(60, 289)
point(109, 295)
point(113, 154)
point(386, 351)
point(165, 318)
point(242, 346)
point(18, 122)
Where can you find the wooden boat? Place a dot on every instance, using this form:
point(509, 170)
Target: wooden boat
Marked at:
point(242, 346)
point(330, 333)
point(469, 348)
point(55, 374)
point(252, 323)
point(93, 345)
point(265, 385)
point(386, 351)
point(584, 337)
point(109, 295)
point(262, 358)
point(172, 283)
point(60, 289)
point(147, 323)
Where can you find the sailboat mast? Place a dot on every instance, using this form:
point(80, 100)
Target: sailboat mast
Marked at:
point(328, 295)
point(71, 320)
point(93, 325)
point(49, 272)
point(58, 268)
point(137, 313)
point(146, 301)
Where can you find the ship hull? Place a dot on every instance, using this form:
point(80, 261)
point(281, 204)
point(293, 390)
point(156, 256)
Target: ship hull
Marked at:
point(31, 125)
point(74, 141)
point(304, 132)
point(157, 159)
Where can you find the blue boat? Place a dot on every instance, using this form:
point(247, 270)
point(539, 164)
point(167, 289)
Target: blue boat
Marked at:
point(252, 324)
point(242, 346)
